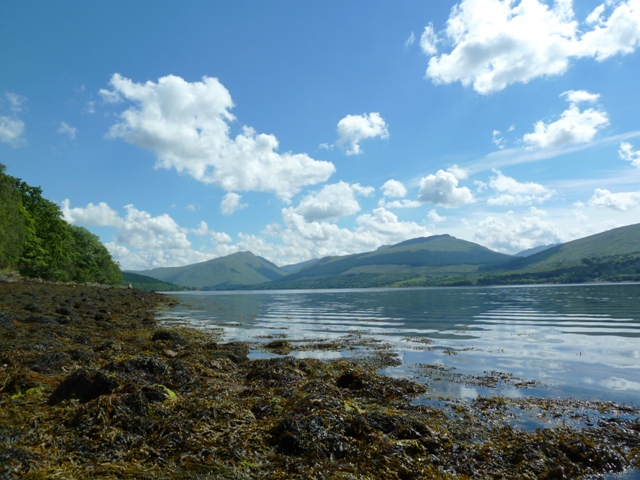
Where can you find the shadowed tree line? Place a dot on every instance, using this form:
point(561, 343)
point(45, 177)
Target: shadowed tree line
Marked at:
point(39, 243)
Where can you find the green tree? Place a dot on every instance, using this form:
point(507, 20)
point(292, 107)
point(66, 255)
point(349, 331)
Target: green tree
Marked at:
point(48, 240)
point(12, 221)
point(90, 260)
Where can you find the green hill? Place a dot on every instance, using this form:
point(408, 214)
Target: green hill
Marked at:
point(143, 282)
point(616, 242)
point(233, 271)
point(437, 257)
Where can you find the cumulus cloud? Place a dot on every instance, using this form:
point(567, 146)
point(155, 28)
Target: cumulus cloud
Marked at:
point(511, 192)
point(300, 240)
point(511, 232)
point(496, 43)
point(627, 153)
point(394, 188)
point(101, 215)
point(231, 203)
point(141, 240)
point(442, 189)
point(187, 126)
point(434, 217)
point(332, 202)
point(574, 125)
point(66, 129)
point(622, 201)
point(352, 129)
point(429, 40)
point(404, 203)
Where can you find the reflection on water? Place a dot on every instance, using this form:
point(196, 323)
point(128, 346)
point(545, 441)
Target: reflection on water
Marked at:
point(581, 340)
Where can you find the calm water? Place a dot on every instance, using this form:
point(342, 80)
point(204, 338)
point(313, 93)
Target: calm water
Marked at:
point(580, 341)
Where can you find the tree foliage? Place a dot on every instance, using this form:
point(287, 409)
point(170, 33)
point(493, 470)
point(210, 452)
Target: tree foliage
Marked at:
point(35, 239)
point(12, 221)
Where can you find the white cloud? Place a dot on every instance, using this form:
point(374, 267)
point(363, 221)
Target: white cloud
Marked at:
point(394, 188)
point(511, 232)
point(364, 191)
point(186, 125)
point(459, 172)
point(497, 139)
point(299, 240)
point(202, 229)
point(429, 40)
point(627, 152)
point(231, 203)
point(618, 34)
point(410, 41)
point(100, 215)
point(66, 129)
point(404, 203)
point(332, 202)
point(511, 192)
point(578, 96)
point(442, 189)
point(352, 129)
point(622, 201)
point(574, 126)
point(220, 238)
point(142, 241)
point(16, 101)
point(90, 107)
point(496, 43)
point(12, 131)
point(434, 217)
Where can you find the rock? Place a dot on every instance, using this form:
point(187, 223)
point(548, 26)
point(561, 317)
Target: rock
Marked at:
point(350, 380)
point(166, 335)
point(83, 385)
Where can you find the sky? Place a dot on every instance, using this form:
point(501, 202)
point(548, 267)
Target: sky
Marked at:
point(179, 132)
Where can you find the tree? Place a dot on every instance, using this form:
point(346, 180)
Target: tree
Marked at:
point(47, 247)
point(12, 221)
point(90, 260)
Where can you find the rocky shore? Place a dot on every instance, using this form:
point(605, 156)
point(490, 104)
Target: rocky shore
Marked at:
point(91, 386)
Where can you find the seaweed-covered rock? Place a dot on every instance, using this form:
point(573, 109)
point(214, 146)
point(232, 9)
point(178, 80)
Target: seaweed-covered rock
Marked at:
point(167, 335)
point(83, 385)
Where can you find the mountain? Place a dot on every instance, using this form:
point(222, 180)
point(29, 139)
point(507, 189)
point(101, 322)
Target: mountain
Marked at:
point(534, 250)
point(143, 282)
point(233, 271)
point(296, 267)
point(615, 242)
point(439, 256)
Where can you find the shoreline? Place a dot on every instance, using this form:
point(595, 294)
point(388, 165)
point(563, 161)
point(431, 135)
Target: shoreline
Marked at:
point(91, 386)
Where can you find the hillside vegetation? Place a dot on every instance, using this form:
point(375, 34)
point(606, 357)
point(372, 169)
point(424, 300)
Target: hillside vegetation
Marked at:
point(150, 284)
point(432, 260)
point(39, 243)
point(233, 271)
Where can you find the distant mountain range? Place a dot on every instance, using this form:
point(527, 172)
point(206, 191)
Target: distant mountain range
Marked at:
point(435, 260)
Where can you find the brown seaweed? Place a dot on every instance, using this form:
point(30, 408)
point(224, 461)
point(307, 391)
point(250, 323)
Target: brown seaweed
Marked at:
point(92, 387)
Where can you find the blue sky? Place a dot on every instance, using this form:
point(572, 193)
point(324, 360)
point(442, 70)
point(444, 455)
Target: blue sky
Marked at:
point(179, 132)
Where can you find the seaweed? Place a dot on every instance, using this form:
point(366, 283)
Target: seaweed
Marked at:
point(104, 391)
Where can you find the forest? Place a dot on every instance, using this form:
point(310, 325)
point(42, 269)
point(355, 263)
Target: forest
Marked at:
point(36, 241)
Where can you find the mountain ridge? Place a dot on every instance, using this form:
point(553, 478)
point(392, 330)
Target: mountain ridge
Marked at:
point(422, 261)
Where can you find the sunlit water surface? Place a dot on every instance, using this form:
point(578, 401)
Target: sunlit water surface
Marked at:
point(582, 341)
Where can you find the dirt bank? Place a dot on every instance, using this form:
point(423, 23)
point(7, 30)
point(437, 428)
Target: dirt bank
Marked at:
point(92, 387)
